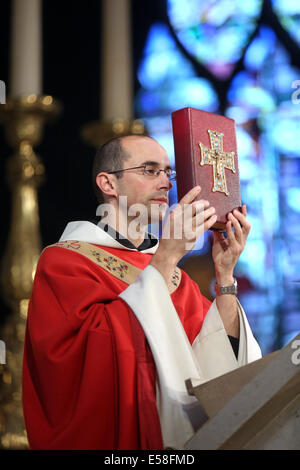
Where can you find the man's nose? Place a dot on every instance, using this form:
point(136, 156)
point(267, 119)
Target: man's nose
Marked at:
point(163, 181)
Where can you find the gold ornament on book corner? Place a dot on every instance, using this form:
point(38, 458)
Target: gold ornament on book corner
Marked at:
point(219, 159)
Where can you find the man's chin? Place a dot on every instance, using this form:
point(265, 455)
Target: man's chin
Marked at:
point(157, 212)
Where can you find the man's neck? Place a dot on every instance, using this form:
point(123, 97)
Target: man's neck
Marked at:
point(134, 240)
point(130, 230)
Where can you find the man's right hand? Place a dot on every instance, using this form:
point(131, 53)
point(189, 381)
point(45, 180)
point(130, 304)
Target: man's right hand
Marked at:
point(183, 227)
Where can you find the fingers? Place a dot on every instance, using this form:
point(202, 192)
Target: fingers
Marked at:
point(237, 234)
point(241, 217)
point(190, 196)
point(230, 234)
point(244, 210)
point(208, 219)
point(210, 222)
point(198, 223)
point(203, 215)
point(199, 213)
point(241, 226)
point(189, 199)
point(198, 206)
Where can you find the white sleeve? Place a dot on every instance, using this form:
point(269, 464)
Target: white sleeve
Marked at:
point(150, 301)
point(176, 360)
point(213, 349)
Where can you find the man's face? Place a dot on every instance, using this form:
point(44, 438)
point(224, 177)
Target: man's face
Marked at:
point(151, 192)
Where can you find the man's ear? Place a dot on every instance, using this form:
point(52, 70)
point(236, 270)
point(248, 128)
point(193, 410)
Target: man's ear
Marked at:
point(107, 184)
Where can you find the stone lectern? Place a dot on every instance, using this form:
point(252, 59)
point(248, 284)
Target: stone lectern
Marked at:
point(256, 406)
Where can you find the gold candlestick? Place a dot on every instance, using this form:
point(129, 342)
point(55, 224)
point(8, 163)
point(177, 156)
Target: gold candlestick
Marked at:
point(24, 119)
point(96, 133)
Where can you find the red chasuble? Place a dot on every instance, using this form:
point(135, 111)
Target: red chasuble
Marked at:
point(88, 373)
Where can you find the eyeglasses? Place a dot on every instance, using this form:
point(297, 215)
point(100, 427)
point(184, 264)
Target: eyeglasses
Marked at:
point(148, 170)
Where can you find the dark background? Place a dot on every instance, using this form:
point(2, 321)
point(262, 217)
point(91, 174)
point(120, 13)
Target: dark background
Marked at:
point(71, 74)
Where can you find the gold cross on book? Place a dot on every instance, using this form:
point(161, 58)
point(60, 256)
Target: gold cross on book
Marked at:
point(219, 159)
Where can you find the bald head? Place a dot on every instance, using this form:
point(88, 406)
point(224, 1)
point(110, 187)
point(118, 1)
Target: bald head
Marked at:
point(135, 144)
point(114, 153)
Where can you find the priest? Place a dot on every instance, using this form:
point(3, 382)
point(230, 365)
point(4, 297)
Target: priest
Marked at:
point(115, 328)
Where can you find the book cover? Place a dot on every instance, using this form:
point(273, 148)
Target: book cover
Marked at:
point(206, 155)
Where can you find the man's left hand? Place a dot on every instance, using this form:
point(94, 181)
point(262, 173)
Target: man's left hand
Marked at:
point(226, 251)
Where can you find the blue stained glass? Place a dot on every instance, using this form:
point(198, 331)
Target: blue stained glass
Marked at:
point(260, 48)
point(162, 59)
point(262, 99)
point(238, 114)
point(288, 12)
point(287, 7)
point(262, 322)
point(282, 128)
point(283, 81)
point(194, 90)
point(168, 79)
point(290, 336)
point(262, 94)
point(248, 169)
point(293, 198)
point(246, 92)
point(215, 32)
point(246, 149)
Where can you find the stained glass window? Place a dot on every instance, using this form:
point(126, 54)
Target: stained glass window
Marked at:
point(241, 59)
point(215, 32)
point(288, 13)
point(168, 81)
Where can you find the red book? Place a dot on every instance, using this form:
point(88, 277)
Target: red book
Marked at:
point(206, 155)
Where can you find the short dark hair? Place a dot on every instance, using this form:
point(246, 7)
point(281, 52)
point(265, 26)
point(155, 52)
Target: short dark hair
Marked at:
point(109, 157)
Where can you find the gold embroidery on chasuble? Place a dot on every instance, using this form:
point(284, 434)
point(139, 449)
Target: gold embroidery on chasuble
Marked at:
point(119, 268)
